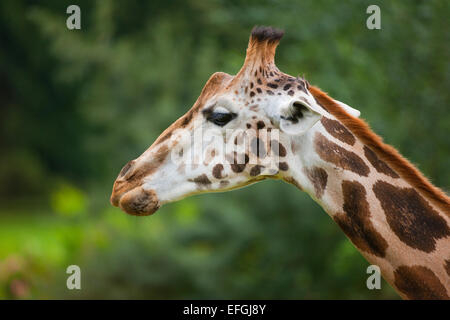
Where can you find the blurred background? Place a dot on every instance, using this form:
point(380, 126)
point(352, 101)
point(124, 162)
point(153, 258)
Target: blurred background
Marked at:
point(76, 105)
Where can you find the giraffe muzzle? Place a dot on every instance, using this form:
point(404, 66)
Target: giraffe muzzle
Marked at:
point(136, 202)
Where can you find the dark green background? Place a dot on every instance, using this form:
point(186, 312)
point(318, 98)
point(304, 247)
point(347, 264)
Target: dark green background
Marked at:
point(77, 105)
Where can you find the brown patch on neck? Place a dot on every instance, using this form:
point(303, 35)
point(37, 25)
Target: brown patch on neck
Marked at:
point(318, 177)
point(379, 165)
point(356, 222)
point(419, 283)
point(411, 218)
point(385, 152)
point(337, 130)
point(335, 154)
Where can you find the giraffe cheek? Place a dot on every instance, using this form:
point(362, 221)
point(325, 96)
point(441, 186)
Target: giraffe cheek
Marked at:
point(139, 202)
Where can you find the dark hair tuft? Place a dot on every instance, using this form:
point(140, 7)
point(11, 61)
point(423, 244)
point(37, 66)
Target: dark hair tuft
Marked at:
point(261, 33)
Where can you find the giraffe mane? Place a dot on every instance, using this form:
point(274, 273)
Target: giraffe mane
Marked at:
point(386, 152)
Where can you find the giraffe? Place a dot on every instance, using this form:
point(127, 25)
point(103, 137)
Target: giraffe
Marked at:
point(281, 127)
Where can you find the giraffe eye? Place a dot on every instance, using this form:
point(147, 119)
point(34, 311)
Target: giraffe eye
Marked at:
point(220, 118)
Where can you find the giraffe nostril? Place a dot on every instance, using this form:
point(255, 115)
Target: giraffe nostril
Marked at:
point(126, 168)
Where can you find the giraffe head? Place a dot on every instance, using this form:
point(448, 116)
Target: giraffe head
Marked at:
point(238, 132)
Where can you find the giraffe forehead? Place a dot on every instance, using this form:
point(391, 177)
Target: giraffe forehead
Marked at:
point(269, 81)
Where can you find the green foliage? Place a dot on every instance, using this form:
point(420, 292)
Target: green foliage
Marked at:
point(77, 105)
point(68, 200)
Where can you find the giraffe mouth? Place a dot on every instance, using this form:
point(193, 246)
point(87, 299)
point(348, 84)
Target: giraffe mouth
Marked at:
point(136, 202)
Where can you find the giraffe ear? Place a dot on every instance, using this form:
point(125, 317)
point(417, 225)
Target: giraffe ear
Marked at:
point(351, 111)
point(298, 118)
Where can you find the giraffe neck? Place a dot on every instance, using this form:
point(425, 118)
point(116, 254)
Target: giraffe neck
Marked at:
point(388, 220)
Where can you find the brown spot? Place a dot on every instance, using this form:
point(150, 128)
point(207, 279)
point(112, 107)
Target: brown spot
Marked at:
point(252, 93)
point(256, 170)
point(291, 92)
point(269, 92)
point(257, 148)
point(283, 166)
point(337, 130)
point(318, 177)
point(248, 125)
point(259, 81)
point(259, 90)
point(273, 85)
point(251, 85)
point(260, 124)
point(331, 152)
point(287, 86)
point(419, 283)
point(412, 219)
point(217, 171)
point(355, 222)
point(237, 162)
point(201, 180)
point(301, 87)
point(378, 164)
point(277, 148)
